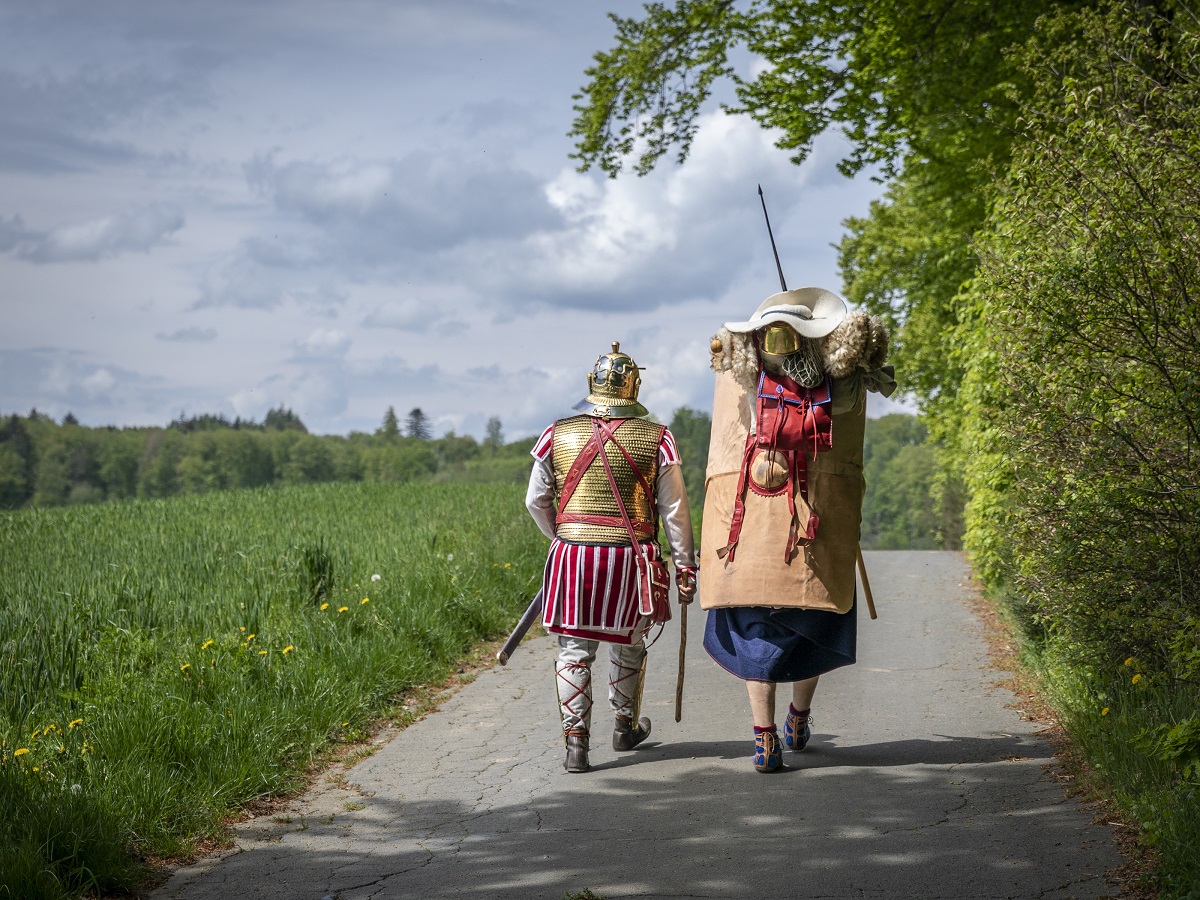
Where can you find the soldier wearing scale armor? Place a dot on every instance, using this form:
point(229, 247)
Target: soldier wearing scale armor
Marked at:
point(591, 584)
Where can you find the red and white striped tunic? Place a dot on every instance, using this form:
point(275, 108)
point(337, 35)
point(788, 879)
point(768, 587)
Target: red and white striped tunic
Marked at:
point(590, 590)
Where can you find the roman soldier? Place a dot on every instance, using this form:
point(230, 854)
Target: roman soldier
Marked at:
point(601, 483)
point(784, 499)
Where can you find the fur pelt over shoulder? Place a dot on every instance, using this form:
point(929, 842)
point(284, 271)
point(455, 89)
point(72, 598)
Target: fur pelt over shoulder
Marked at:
point(859, 343)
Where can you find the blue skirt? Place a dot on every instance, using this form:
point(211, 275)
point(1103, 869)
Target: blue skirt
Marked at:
point(758, 643)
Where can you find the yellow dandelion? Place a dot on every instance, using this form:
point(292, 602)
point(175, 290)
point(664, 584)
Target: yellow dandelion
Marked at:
point(324, 606)
point(342, 609)
point(249, 637)
point(35, 735)
point(74, 722)
point(364, 601)
point(288, 649)
point(1136, 679)
point(207, 644)
point(262, 652)
point(508, 565)
point(185, 667)
point(36, 769)
point(1104, 712)
point(1129, 662)
point(242, 628)
point(62, 749)
point(20, 751)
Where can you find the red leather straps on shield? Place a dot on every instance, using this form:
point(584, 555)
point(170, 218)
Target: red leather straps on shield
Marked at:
point(792, 422)
point(791, 417)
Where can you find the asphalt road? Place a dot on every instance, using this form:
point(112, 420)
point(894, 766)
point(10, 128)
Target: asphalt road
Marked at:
point(919, 782)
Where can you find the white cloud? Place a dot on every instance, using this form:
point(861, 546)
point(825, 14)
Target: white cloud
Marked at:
point(324, 344)
point(380, 211)
point(99, 382)
point(135, 230)
point(190, 334)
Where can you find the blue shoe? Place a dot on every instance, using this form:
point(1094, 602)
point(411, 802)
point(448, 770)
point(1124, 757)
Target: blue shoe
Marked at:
point(796, 731)
point(768, 753)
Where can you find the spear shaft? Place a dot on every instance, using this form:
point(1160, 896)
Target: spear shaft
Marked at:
point(778, 267)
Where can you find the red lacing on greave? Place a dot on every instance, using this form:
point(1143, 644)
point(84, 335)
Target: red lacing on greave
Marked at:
point(617, 688)
point(581, 696)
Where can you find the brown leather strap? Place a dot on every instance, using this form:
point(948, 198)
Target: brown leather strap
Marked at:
point(575, 472)
point(611, 435)
point(739, 507)
point(597, 431)
point(797, 481)
point(645, 604)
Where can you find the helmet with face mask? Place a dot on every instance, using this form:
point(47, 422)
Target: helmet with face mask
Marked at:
point(613, 387)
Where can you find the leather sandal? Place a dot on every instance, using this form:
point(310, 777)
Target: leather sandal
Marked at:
point(768, 752)
point(625, 736)
point(577, 753)
point(796, 731)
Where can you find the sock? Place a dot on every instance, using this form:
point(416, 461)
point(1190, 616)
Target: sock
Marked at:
point(770, 728)
point(800, 714)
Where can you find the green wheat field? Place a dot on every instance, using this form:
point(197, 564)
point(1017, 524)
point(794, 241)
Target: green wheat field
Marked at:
point(163, 662)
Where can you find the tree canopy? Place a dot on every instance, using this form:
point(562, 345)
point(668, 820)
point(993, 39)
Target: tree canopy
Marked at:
point(1035, 254)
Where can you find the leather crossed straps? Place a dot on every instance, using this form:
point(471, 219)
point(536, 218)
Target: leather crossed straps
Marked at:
point(602, 433)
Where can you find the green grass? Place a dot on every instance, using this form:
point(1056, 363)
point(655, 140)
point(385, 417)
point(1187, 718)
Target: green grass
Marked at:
point(1113, 720)
point(162, 662)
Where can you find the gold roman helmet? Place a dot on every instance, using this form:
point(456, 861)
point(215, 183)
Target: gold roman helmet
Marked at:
point(613, 387)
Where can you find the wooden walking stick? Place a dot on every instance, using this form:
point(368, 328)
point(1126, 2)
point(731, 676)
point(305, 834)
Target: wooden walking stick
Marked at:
point(862, 571)
point(682, 646)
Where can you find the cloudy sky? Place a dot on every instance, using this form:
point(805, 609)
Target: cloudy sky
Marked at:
point(337, 207)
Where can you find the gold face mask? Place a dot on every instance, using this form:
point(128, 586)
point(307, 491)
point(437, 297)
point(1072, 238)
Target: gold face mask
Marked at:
point(779, 339)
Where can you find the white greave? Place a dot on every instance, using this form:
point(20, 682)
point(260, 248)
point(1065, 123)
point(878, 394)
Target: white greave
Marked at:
point(625, 678)
point(573, 678)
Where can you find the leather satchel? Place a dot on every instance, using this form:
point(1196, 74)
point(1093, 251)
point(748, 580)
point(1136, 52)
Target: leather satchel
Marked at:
point(654, 581)
point(791, 417)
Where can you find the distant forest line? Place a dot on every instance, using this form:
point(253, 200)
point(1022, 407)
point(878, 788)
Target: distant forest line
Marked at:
point(908, 504)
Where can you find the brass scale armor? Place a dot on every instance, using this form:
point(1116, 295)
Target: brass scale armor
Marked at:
point(593, 496)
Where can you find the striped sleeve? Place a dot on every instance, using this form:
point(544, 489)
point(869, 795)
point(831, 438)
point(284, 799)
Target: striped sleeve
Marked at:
point(541, 449)
point(668, 453)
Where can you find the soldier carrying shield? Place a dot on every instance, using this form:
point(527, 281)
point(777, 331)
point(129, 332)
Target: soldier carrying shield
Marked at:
point(784, 499)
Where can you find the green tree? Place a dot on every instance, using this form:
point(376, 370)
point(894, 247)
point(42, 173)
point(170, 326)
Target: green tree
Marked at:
point(283, 420)
point(692, 429)
point(494, 437)
point(390, 428)
point(310, 460)
point(117, 455)
point(16, 481)
point(52, 485)
point(198, 469)
point(242, 458)
point(157, 475)
point(927, 90)
point(416, 425)
point(14, 485)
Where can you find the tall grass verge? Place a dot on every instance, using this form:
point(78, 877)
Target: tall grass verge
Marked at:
point(1116, 719)
point(162, 662)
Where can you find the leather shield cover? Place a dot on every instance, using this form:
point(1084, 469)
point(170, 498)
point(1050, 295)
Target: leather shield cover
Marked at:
point(818, 576)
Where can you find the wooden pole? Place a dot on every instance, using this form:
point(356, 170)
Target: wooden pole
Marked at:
point(862, 571)
point(683, 608)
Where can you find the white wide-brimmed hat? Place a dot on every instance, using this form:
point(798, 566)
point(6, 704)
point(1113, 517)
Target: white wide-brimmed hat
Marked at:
point(812, 311)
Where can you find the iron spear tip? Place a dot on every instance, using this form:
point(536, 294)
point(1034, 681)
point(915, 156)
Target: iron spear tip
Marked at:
point(760, 190)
